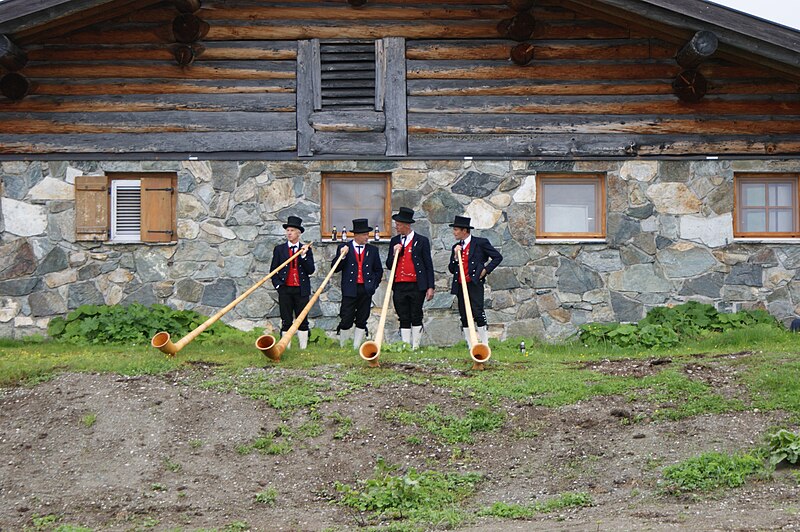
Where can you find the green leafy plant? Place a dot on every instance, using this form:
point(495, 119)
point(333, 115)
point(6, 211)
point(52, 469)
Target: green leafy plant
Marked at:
point(712, 471)
point(783, 445)
point(134, 323)
point(267, 496)
point(450, 428)
point(89, 419)
point(170, 465)
point(409, 495)
point(343, 425)
point(526, 511)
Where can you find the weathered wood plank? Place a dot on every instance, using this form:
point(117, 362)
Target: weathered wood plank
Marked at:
point(214, 51)
point(570, 71)
point(348, 121)
point(644, 105)
point(306, 68)
point(155, 102)
point(122, 86)
point(603, 125)
point(323, 143)
point(207, 70)
point(149, 143)
point(395, 97)
point(469, 87)
point(621, 49)
point(550, 145)
point(145, 122)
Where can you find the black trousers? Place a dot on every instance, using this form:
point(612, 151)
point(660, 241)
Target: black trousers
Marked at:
point(476, 303)
point(355, 308)
point(291, 304)
point(408, 300)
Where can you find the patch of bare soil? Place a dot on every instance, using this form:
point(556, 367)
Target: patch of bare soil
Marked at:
point(162, 454)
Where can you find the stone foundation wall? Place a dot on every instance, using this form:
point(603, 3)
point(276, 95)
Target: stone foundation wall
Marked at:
point(669, 239)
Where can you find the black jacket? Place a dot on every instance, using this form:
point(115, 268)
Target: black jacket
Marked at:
point(480, 251)
point(305, 267)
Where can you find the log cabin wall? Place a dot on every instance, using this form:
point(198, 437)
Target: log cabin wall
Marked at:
point(592, 89)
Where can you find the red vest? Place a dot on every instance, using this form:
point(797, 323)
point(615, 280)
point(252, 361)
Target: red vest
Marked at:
point(293, 277)
point(405, 266)
point(360, 262)
point(465, 261)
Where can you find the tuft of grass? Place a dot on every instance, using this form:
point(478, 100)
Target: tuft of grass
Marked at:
point(286, 396)
point(196, 444)
point(711, 471)
point(680, 397)
point(267, 496)
point(169, 465)
point(89, 419)
point(343, 425)
point(451, 429)
point(526, 511)
point(265, 445)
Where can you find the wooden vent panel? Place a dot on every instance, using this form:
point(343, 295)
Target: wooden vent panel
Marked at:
point(347, 74)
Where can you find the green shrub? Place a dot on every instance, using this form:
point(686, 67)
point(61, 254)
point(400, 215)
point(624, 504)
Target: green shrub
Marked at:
point(784, 445)
point(665, 327)
point(711, 471)
point(134, 323)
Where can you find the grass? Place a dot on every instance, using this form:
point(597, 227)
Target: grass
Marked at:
point(526, 511)
point(89, 420)
point(712, 471)
point(267, 497)
point(452, 429)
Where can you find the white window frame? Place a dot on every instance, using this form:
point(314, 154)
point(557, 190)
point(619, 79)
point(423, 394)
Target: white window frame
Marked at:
point(116, 234)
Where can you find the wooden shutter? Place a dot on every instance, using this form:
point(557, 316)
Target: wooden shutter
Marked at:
point(91, 207)
point(158, 208)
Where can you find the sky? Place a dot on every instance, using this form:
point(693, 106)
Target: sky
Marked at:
point(784, 12)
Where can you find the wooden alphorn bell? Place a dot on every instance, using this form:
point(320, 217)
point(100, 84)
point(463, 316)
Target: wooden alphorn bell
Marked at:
point(479, 353)
point(162, 342)
point(267, 344)
point(371, 349)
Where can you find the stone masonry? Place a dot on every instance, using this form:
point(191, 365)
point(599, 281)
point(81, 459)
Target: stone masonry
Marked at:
point(669, 240)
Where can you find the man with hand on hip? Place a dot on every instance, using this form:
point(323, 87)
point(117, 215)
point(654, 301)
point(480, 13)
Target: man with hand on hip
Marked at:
point(413, 278)
point(475, 252)
point(292, 282)
point(361, 274)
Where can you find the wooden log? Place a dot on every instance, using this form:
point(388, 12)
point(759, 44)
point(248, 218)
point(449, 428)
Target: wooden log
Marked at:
point(73, 87)
point(522, 54)
point(700, 47)
point(187, 6)
point(308, 91)
point(188, 28)
point(274, 141)
point(352, 144)
point(11, 56)
point(690, 86)
point(395, 97)
point(520, 5)
point(185, 54)
point(223, 70)
point(14, 86)
point(517, 28)
point(357, 3)
point(617, 49)
point(348, 121)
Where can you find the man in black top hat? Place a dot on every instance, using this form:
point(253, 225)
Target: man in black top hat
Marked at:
point(361, 274)
point(413, 278)
point(292, 282)
point(475, 252)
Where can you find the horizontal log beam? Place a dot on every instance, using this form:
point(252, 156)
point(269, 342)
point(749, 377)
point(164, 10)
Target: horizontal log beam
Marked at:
point(217, 51)
point(155, 102)
point(276, 141)
point(593, 124)
point(641, 105)
point(348, 143)
point(202, 70)
point(545, 50)
point(348, 121)
point(144, 122)
point(65, 87)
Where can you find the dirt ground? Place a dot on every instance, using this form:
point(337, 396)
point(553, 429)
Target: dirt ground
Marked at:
point(162, 454)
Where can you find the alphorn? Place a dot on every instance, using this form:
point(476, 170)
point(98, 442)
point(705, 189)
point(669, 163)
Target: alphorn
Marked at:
point(161, 340)
point(371, 349)
point(480, 353)
point(267, 344)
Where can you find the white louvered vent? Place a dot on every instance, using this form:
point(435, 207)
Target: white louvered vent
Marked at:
point(126, 210)
point(347, 74)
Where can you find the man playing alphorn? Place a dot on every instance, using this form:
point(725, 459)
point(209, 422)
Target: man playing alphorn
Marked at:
point(361, 274)
point(475, 252)
point(292, 282)
point(413, 278)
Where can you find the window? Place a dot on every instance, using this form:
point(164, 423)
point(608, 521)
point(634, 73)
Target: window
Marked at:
point(765, 205)
point(570, 205)
point(346, 197)
point(126, 207)
point(347, 72)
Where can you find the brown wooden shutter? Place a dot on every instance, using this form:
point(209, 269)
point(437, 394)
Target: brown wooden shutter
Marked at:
point(158, 209)
point(91, 207)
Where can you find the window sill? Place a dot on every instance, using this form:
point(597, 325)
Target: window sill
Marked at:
point(328, 241)
point(766, 240)
point(570, 241)
point(137, 243)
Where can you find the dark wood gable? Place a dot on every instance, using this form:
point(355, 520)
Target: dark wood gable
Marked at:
point(237, 76)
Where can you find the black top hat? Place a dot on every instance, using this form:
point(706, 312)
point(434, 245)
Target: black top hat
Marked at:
point(361, 225)
point(295, 222)
point(462, 222)
point(404, 215)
